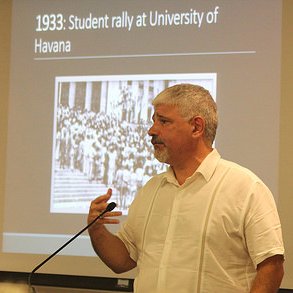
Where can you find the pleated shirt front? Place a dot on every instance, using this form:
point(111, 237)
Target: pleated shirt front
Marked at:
point(204, 236)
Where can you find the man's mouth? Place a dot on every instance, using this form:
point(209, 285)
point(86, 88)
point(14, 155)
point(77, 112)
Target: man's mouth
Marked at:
point(156, 141)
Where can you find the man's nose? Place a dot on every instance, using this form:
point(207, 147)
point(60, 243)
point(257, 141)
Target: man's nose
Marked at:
point(152, 130)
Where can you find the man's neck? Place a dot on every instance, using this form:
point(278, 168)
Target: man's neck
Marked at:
point(184, 170)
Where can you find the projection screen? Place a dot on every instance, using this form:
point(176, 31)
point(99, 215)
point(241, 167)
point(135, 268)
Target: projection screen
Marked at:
point(82, 78)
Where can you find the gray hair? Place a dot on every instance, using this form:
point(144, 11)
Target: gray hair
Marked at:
point(192, 100)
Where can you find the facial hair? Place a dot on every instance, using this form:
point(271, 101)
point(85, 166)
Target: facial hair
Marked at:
point(161, 154)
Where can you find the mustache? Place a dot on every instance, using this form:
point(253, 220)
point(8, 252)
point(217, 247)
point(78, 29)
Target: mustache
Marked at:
point(156, 140)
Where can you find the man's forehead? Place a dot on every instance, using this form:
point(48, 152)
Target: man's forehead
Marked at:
point(165, 110)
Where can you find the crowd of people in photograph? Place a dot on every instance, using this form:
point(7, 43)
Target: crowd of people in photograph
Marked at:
point(105, 149)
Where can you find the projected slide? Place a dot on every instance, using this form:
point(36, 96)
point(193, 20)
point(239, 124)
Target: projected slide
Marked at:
point(82, 78)
point(100, 136)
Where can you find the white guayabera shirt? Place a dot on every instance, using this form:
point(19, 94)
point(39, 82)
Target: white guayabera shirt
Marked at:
point(207, 235)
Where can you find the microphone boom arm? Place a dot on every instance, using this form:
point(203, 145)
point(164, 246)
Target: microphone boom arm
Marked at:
point(109, 208)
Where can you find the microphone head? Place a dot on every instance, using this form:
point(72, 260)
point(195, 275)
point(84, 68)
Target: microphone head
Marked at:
point(111, 206)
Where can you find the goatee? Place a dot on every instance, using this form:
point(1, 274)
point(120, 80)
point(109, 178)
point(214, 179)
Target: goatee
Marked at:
point(161, 155)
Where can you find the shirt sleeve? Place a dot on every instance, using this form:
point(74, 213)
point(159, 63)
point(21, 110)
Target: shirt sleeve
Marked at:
point(262, 225)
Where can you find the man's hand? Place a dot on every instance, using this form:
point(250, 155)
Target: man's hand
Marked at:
point(97, 206)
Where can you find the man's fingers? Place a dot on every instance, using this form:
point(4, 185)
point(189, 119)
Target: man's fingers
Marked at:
point(103, 198)
point(113, 214)
point(100, 203)
point(108, 218)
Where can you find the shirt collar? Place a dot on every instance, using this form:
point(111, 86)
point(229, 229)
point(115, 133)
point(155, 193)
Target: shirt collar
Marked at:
point(209, 164)
point(206, 168)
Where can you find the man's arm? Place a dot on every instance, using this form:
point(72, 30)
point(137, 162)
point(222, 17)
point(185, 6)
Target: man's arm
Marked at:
point(269, 275)
point(108, 247)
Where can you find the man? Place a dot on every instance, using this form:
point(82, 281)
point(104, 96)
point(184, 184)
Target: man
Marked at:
point(206, 225)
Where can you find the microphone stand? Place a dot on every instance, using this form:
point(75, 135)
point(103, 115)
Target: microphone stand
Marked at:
point(109, 208)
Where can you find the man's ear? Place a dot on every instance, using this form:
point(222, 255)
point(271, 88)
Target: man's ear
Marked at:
point(198, 125)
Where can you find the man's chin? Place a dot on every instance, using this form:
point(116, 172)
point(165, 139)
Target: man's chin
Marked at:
point(162, 156)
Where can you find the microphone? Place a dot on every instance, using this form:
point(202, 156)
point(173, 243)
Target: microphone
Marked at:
point(109, 208)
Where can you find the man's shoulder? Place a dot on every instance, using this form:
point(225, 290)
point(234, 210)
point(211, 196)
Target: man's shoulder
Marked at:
point(235, 169)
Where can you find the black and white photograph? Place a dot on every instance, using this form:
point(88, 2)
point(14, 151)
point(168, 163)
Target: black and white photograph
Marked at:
point(100, 136)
